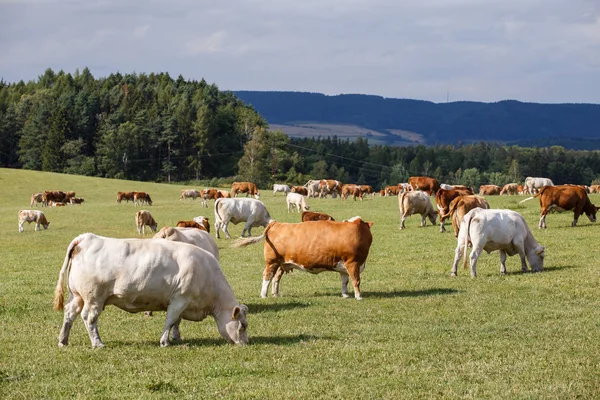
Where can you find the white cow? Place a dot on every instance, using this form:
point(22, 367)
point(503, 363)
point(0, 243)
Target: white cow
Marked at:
point(189, 193)
point(194, 236)
point(535, 184)
point(280, 188)
point(237, 210)
point(502, 230)
point(297, 201)
point(416, 202)
point(30, 216)
point(146, 275)
point(313, 187)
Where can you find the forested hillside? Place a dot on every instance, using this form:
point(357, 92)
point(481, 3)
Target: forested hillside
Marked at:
point(505, 121)
point(156, 128)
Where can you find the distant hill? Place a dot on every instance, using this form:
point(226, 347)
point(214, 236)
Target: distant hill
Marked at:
point(404, 121)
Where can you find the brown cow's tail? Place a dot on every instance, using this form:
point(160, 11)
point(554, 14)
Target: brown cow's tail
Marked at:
point(468, 226)
point(243, 242)
point(59, 294)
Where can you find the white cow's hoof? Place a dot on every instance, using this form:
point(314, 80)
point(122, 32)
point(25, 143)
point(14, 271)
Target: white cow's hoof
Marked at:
point(345, 296)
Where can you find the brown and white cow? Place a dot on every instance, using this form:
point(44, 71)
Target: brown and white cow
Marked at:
point(300, 189)
point(37, 198)
point(315, 247)
point(226, 194)
point(489, 190)
point(244, 187)
point(443, 198)
point(425, 184)
point(391, 190)
point(510, 189)
point(564, 198)
point(594, 188)
point(55, 196)
point(416, 202)
point(461, 205)
point(76, 200)
point(315, 216)
point(330, 186)
point(141, 198)
point(189, 193)
point(190, 224)
point(127, 196)
point(30, 216)
point(209, 194)
point(353, 190)
point(202, 220)
point(143, 218)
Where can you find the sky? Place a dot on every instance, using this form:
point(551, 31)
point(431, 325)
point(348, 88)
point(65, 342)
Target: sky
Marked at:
point(543, 51)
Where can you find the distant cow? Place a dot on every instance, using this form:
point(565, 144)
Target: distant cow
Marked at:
point(127, 196)
point(197, 237)
point(146, 275)
point(425, 184)
point(37, 198)
point(595, 189)
point(210, 194)
point(280, 188)
point(143, 218)
point(189, 224)
point(535, 184)
point(315, 247)
point(443, 198)
point(351, 190)
point(510, 189)
point(251, 211)
point(141, 198)
point(366, 189)
point(76, 200)
point(315, 216)
point(502, 230)
point(189, 193)
point(489, 190)
point(30, 216)
point(461, 205)
point(330, 186)
point(224, 193)
point(244, 187)
point(55, 196)
point(296, 201)
point(313, 188)
point(564, 198)
point(300, 190)
point(391, 190)
point(416, 202)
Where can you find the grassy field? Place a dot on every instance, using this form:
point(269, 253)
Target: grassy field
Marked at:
point(417, 334)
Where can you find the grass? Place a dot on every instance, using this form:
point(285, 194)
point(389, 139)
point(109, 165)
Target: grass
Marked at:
point(416, 334)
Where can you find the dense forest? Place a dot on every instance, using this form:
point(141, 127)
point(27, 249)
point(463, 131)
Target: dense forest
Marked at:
point(156, 128)
point(507, 121)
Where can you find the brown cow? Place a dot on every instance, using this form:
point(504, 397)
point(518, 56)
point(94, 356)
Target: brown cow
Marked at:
point(300, 189)
point(37, 198)
point(564, 198)
point(190, 224)
point(351, 190)
point(366, 189)
point(139, 198)
point(462, 205)
point(143, 218)
point(224, 194)
point(55, 196)
point(330, 186)
point(425, 184)
point(127, 196)
point(382, 192)
point(489, 190)
point(443, 198)
point(209, 194)
point(76, 200)
point(30, 216)
point(391, 190)
point(510, 189)
point(315, 216)
point(244, 187)
point(315, 247)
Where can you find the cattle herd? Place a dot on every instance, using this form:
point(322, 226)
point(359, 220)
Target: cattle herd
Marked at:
point(183, 276)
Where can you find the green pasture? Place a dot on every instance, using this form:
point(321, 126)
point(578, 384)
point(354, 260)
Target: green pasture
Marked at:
point(417, 334)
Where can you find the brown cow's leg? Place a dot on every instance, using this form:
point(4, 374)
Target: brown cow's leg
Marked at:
point(276, 281)
point(543, 213)
point(354, 272)
point(270, 271)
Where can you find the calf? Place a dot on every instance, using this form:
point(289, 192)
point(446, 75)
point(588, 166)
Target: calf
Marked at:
point(502, 230)
point(209, 194)
point(510, 189)
point(146, 275)
point(30, 216)
point(489, 190)
point(143, 218)
point(297, 201)
point(315, 247)
point(76, 200)
point(416, 202)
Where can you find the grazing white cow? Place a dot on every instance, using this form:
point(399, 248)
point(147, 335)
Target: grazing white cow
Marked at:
point(313, 187)
point(143, 218)
point(146, 275)
point(197, 237)
point(535, 184)
point(280, 188)
point(237, 210)
point(189, 193)
point(296, 200)
point(502, 230)
point(416, 202)
point(30, 216)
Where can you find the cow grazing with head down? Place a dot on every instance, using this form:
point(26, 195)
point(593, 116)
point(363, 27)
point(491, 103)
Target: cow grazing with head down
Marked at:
point(296, 201)
point(425, 184)
point(210, 194)
point(443, 198)
point(510, 189)
point(330, 186)
point(281, 188)
point(489, 190)
point(300, 190)
point(146, 275)
point(37, 198)
point(252, 212)
point(127, 196)
point(502, 230)
point(564, 198)
point(224, 194)
point(535, 184)
point(189, 194)
point(315, 247)
point(141, 198)
point(55, 196)
point(245, 187)
point(143, 218)
point(353, 190)
point(416, 202)
point(315, 216)
point(461, 205)
point(30, 216)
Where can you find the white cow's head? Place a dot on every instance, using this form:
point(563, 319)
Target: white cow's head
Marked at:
point(234, 330)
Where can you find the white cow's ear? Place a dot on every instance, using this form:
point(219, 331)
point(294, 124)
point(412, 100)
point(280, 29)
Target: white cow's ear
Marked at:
point(236, 312)
point(540, 251)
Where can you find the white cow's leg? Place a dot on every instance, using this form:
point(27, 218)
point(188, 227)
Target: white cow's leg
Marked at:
point(458, 253)
point(174, 310)
point(176, 332)
point(276, 282)
point(345, 278)
point(93, 312)
point(225, 230)
point(502, 262)
point(542, 223)
point(475, 253)
point(442, 229)
point(37, 226)
point(268, 275)
point(21, 228)
point(217, 227)
point(402, 219)
point(522, 255)
point(72, 309)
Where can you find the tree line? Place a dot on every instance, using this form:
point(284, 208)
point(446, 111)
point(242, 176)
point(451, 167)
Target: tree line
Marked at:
point(156, 128)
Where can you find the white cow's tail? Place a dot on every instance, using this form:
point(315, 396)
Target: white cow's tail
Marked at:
point(59, 294)
point(243, 242)
point(527, 199)
point(467, 222)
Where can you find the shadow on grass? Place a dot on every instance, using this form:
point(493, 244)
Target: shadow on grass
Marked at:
point(285, 340)
point(217, 341)
point(274, 307)
point(414, 293)
point(546, 269)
